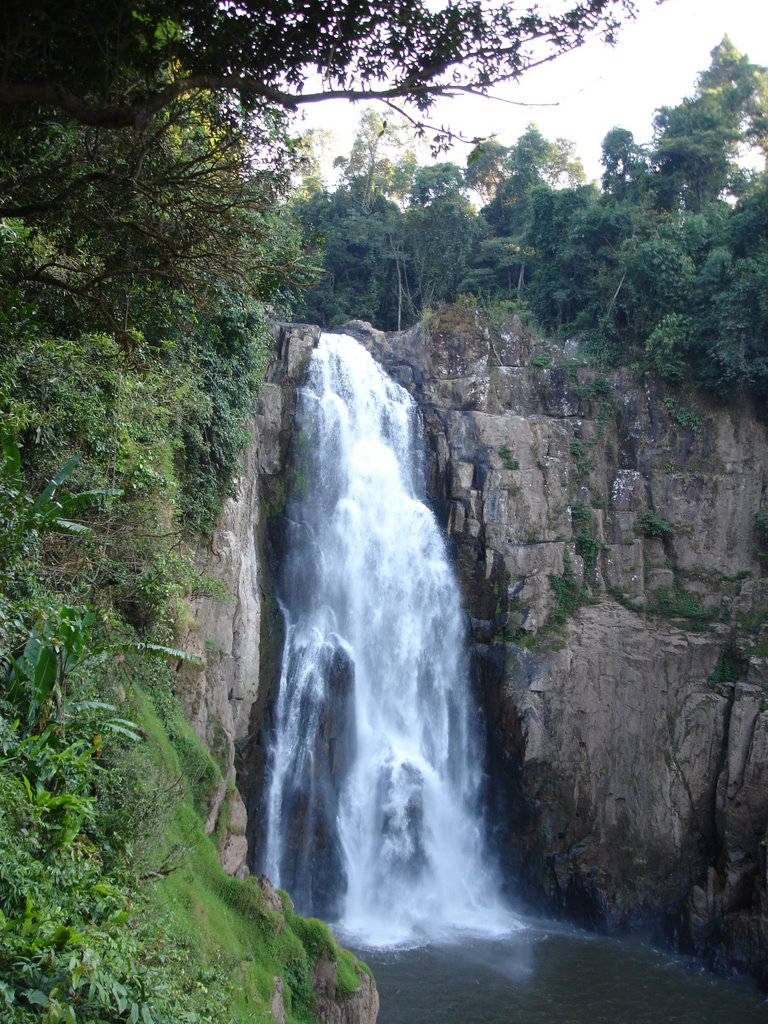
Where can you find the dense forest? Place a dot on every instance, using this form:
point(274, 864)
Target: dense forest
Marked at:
point(665, 264)
point(158, 212)
point(136, 267)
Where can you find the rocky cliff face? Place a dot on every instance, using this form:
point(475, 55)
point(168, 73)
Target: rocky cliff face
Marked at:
point(606, 541)
point(605, 535)
point(240, 636)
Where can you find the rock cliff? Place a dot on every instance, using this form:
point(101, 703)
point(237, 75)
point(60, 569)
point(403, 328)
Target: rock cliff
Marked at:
point(240, 635)
point(607, 544)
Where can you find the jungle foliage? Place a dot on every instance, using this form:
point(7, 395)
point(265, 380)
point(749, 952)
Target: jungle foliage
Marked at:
point(113, 904)
point(140, 265)
point(260, 53)
point(665, 265)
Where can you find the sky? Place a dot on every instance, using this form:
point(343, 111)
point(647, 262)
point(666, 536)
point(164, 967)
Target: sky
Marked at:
point(582, 95)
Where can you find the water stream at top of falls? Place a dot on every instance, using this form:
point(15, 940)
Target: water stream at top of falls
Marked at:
point(374, 774)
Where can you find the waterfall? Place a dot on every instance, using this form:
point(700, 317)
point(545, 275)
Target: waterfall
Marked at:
point(373, 791)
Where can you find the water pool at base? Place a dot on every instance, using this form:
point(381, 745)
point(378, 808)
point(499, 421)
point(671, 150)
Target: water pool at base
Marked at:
point(553, 975)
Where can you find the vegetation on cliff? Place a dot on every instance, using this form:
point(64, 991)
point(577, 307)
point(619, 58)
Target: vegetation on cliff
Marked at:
point(114, 904)
point(663, 265)
point(137, 266)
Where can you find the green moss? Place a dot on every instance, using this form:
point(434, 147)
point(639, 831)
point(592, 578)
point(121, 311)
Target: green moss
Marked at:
point(674, 602)
point(683, 416)
point(348, 973)
point(567, 591)
point(581, 514)
point(599, 387)
point(584, 464)
point(623, 599)
point(588, 548)
point(730, 666)
point(225, 922)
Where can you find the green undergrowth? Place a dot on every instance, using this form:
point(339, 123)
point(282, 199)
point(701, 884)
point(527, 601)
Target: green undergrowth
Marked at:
point(229, 918)
point(669, 603)
point(115, 905)
point(226, 923)
point(114, 908)
point(568, 591)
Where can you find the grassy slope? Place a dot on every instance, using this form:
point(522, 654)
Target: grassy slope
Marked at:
point(224, 922)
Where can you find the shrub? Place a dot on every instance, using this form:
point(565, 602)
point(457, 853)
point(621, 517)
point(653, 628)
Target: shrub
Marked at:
point(567, 591)
point(652, 525)
point(505, 454)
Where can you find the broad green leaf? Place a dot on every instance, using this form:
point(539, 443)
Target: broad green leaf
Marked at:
point(86, 497)
point(64, 474)
point(12, 463)
point(36, 997)
point(67, 526)
point(45, 678)
point(114, 727)
point(170, 652)
point(92, 705)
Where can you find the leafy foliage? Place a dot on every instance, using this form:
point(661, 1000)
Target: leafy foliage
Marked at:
point(663, 267)
point(95, 802)
point(567, 590)
point(675, 602)
point(153, 53)
point(507, 458)
point(651, 524)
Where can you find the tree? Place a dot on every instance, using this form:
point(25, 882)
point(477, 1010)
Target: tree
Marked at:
point(182, 203)
point(441, 231)
point(437, 181)
point(740, 87)
point(145, 144)
point(360, 255)
point(116, 63)
point(380, 162)
point(513, 176)
point(532, 160)
point(485, 168)
point(699, 140)
point(626, 165)
point(314, 146)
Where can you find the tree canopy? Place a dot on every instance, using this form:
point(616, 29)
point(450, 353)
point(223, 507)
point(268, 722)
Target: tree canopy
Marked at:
point(665, 266)
point(116, 63)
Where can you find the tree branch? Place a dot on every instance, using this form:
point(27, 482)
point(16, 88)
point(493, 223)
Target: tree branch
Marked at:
point(420, 87)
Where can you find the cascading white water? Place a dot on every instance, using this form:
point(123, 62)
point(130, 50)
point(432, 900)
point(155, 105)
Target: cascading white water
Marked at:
point(374, 774)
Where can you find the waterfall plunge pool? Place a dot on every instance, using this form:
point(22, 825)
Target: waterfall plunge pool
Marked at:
point(548, 973)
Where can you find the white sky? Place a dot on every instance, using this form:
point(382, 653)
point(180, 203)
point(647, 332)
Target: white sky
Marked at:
point(654, 63)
